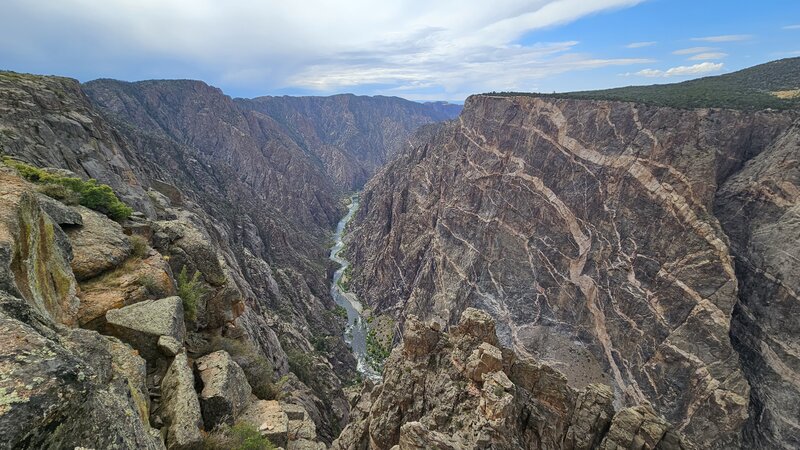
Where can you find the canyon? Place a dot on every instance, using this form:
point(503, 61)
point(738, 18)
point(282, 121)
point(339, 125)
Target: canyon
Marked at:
point(569, 271)
point(621, 243)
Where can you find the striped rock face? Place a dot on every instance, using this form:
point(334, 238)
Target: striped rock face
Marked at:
point(588, 230)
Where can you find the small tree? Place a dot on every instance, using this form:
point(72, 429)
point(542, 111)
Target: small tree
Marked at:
point(190, 290)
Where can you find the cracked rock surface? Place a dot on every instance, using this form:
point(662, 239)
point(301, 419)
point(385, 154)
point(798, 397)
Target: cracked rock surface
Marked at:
point(606, 238)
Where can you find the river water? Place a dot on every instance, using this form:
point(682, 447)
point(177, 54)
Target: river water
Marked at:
point(355, 334)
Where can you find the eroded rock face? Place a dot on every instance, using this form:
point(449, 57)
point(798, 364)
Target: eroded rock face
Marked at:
point(588, 229)
point(34, 253)
point(759, 209)
point(433, 400)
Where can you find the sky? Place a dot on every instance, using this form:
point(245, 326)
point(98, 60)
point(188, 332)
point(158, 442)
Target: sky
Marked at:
point(417, 49)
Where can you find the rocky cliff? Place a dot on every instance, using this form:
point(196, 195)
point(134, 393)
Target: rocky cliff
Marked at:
point(229, 213)
point(640, 247)
point(353, 136)
point(461, 390)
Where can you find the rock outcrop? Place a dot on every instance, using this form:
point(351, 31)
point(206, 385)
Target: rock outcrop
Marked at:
point(225, 389)
point(431, 397)
point(180, 407)
point(143, 324)
point(607, 239)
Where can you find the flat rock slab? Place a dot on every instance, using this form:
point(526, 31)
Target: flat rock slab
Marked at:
point(225, 389)
point(142, 324)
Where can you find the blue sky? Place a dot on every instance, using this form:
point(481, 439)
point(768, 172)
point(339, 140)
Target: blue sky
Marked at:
point(417, 49)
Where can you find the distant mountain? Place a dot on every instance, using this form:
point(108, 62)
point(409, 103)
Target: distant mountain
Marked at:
point(773, 85)
point(352, 136)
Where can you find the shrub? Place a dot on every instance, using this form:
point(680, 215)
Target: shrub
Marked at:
point(241, 436)
point(376, 352)
point(139, 246)
point(301, 364)
point(90, 194)
point(190, 290)
point(149, 283)
point(340, 311)
point(60, 193)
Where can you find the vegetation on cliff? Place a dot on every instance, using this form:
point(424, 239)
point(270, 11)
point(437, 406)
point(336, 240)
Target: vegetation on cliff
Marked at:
point(91, 194)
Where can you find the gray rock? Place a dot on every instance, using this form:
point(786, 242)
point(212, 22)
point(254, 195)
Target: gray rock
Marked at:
point(142, 324)
point(74, 389)
point(180, 407)
point(169, 346)
point(98, 246)
point(59, 212)
point(225, 389)
point(269, 419)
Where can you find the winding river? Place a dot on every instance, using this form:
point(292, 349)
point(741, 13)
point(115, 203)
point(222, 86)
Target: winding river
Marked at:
point(355, 334)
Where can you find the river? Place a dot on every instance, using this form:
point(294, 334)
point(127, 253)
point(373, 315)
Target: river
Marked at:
point(355, 334)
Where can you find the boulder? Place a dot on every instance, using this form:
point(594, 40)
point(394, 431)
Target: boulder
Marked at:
point(225, 389)
point(142, 324)
point(67, 389)
point(59, 212)
point(180, 409)
point(268, 417)
point(134, 281)
point(169, 346)
point(478, 324)
point(99, 245)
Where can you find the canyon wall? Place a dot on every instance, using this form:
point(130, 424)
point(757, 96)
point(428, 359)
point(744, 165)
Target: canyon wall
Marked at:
point(608, 240)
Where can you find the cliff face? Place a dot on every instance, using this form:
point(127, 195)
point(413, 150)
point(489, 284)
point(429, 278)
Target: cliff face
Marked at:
point(597, 234)
point(459, 390)
point(218, 191)
point(352, 136)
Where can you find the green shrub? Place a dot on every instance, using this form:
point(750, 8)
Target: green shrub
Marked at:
point(91, 194)
point(301, 364)
point(139, 246)
point(376, 352)
point(149, 283)
point(60, 193)
point(241, 436)
point(190, 290)
point(340, 311)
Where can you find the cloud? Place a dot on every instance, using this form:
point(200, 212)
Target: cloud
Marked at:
point(792, 27)
point(446, 46)
point(724, 38)
point(707, 56)
point(680, 71)
point(641, 44)
point(691, 50)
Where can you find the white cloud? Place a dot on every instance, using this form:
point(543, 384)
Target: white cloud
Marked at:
point(691, 50)
point(454, 46)
point(724, 38)
point(641, 44)
point(707, 56)
point(792, 27)
point(681, 71)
